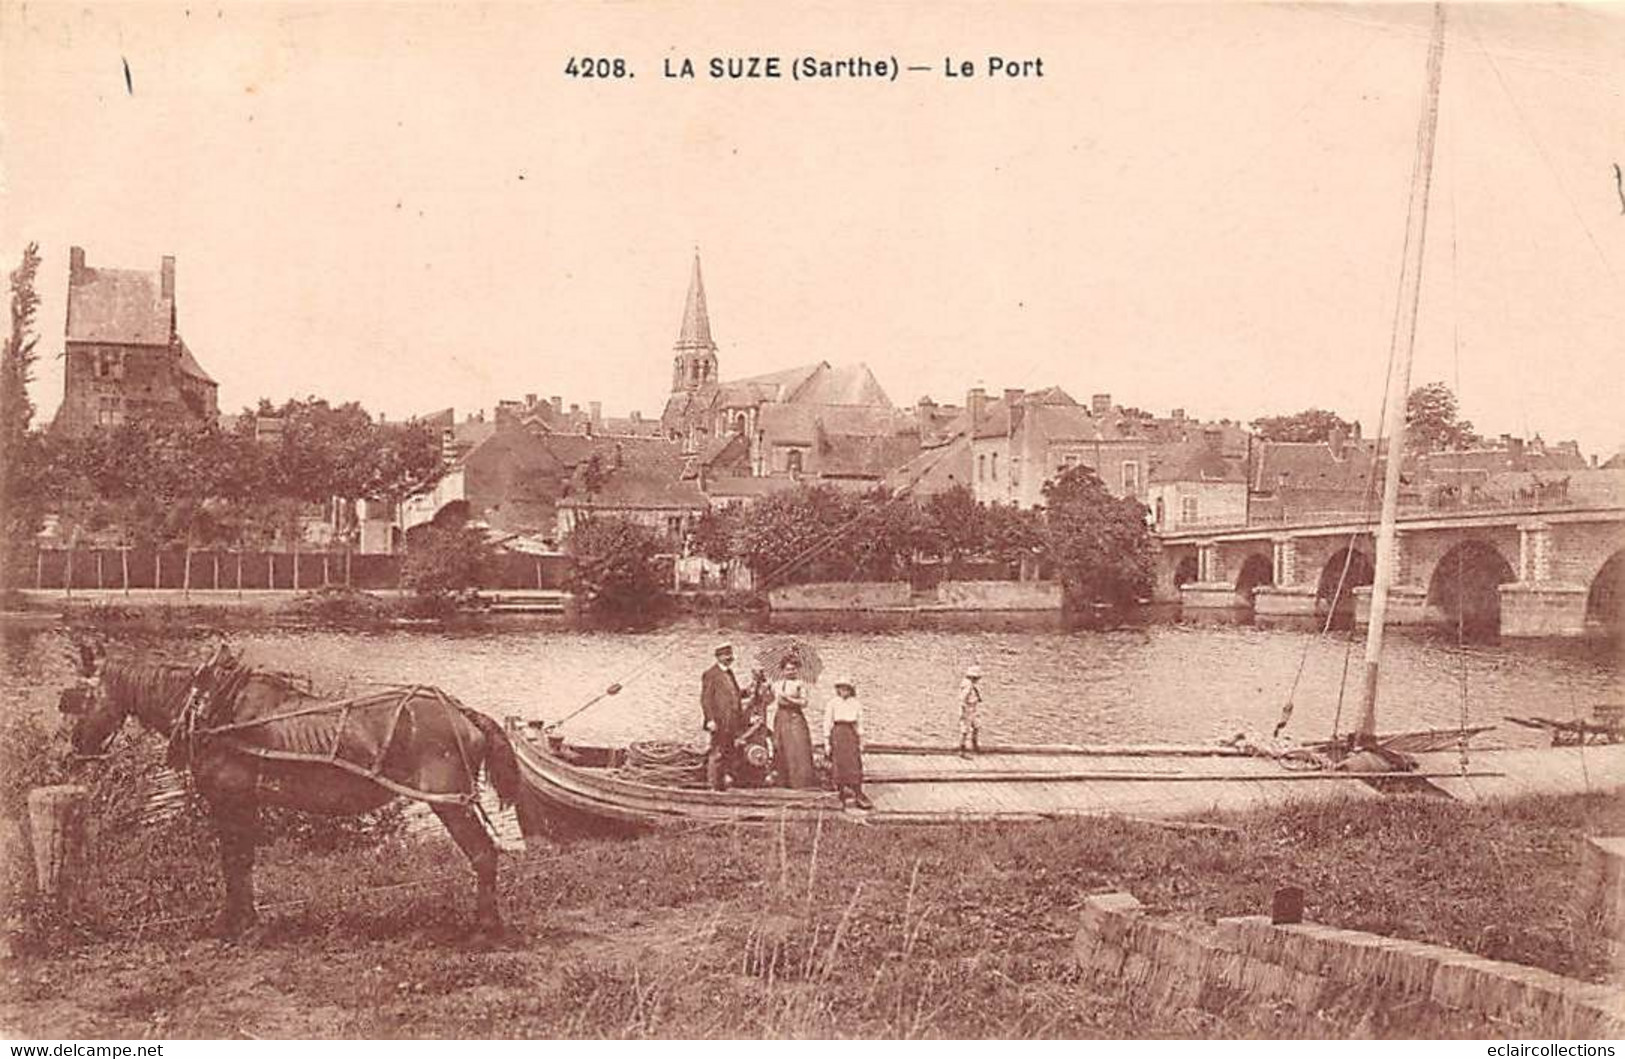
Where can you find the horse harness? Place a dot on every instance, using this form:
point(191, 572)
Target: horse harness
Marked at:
point(211, 704)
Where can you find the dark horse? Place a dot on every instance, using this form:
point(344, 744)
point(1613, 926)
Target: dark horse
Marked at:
point(260, 739)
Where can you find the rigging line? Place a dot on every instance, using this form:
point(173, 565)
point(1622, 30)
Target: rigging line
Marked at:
point(1523, 120)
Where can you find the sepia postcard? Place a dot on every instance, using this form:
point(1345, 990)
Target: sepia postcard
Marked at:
point(1040, 520)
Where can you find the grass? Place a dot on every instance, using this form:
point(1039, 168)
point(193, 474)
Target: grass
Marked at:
point(792, 931)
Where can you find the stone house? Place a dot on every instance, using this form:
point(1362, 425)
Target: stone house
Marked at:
point(125, 358)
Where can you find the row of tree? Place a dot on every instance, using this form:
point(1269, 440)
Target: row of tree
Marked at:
point(1098, 545)
point(185, 482)
point(1432, 423)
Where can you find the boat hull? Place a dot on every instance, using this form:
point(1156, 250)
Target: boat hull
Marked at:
point(933, 785)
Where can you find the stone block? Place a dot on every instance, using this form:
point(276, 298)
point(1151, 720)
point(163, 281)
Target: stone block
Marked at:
point(1106, 915)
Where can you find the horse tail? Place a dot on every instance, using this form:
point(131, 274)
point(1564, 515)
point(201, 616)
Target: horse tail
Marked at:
point(501, 766)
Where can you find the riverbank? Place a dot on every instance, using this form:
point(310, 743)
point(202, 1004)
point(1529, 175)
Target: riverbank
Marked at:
point(829, 929)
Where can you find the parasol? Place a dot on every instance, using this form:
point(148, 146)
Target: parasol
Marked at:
point(771, 656)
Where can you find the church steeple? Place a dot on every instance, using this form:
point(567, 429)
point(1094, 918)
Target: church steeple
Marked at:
point(695, 363)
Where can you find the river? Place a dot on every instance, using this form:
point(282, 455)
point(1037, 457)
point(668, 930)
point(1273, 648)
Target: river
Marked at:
point(1157, 683)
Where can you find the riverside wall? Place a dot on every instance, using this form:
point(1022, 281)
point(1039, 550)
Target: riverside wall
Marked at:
point(1176, 964)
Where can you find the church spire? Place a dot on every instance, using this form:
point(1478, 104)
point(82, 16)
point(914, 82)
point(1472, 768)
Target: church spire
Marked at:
point(696, 332)
point(695, 363)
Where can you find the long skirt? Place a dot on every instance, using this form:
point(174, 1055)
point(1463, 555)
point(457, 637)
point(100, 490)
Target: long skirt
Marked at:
point(793, 745)
point(846, 754)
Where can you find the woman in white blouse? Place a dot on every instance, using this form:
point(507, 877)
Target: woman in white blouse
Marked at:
point(843, 734)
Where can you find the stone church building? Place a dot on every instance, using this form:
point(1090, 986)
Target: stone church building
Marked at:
point(816, 420)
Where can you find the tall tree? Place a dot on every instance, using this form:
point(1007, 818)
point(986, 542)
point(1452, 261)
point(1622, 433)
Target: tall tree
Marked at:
point(1099, 543)
point(21, 456)
point(1432, 422)
point(1312, 424)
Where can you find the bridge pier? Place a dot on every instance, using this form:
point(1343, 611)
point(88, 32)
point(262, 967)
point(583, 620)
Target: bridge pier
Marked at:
point(1407, 605)
point(1290, 606)
point(1542, 608)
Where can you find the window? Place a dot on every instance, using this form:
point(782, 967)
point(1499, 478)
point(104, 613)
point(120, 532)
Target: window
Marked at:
point(792, 461)
point(1131, 478)
point(674, 526)
point(739, 423)
point(993, 466)
point(109, 364)
point(1187, 509)
point(981, 468)
point(109, 411)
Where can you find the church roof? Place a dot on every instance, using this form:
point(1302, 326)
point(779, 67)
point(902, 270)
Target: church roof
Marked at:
point(118, 305)
point(849, 384)
point(802, 424)
point(696, 330)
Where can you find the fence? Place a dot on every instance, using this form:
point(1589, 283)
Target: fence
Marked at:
point(123, 569)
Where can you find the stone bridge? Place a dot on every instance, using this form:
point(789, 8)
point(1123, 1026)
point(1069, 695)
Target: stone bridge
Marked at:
point(1520, 570)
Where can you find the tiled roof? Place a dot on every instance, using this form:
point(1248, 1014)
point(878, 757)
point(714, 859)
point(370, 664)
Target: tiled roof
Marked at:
point(934, 470)
point(800, 424)
point(123, 306)
point(850, 456)
point(849, 384)
point(1311, 465)
point(1198, 461)
point(750, 392)
point(649, 476)
point(191, 367)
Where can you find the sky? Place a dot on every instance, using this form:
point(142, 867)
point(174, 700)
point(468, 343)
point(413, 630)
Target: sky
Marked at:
point(1196, 206)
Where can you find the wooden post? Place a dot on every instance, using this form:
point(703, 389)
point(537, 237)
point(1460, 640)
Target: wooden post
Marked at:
point(158, 566)
point(124, 566)
point(539, 585)
point(215, 584)
point(56, 818)
point(99, 557)
point(325, 579)
point(239, 572)
point(270, 565)
point(186, 574)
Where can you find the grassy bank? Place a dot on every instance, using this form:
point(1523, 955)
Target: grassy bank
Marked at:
point(839, 929)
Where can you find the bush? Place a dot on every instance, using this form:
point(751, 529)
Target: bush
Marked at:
point(619, 571)
point(447, 564)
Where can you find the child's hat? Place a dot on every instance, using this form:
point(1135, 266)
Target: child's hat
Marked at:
point(973, 671)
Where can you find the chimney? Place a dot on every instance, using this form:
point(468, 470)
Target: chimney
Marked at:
point(637, 416)
point(530, 400)
point(1178, 415)
point(976, 405)
point(1354, 430)
point(1593, 461)
point(168, 277)
point(595, 409)
point(1515, 453)
point(1335, 439)
point(1213, 438)
point(76, 263)
point(924, 410)
point(1100, 405)
point(558, 405)
point(575, 409)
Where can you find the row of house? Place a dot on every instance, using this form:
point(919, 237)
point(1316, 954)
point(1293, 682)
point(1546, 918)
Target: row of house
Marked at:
point(535, 467)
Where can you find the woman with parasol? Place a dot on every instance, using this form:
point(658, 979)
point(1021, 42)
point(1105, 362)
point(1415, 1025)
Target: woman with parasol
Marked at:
point(794, 665)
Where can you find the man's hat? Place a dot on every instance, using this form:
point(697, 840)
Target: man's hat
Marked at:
point(721, 647)
point(973, 671)
point(845, 682)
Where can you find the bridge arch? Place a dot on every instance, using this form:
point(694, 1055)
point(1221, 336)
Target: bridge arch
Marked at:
point(1256, 570)
point(1465, 588)
point(1334, 594)
point(1605, 601)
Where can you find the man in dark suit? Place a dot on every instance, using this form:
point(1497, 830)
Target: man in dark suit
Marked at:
point(724, 719)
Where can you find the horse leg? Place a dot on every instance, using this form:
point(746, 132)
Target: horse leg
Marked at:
point(475, 842)
point(233, 799)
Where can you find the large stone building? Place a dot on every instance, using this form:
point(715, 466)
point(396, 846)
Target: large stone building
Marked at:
point(815, 421)
point(125, 358)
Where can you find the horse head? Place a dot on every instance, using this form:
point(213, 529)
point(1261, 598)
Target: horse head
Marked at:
point(97, 715)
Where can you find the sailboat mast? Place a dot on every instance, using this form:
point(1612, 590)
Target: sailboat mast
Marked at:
point(1400, 384)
